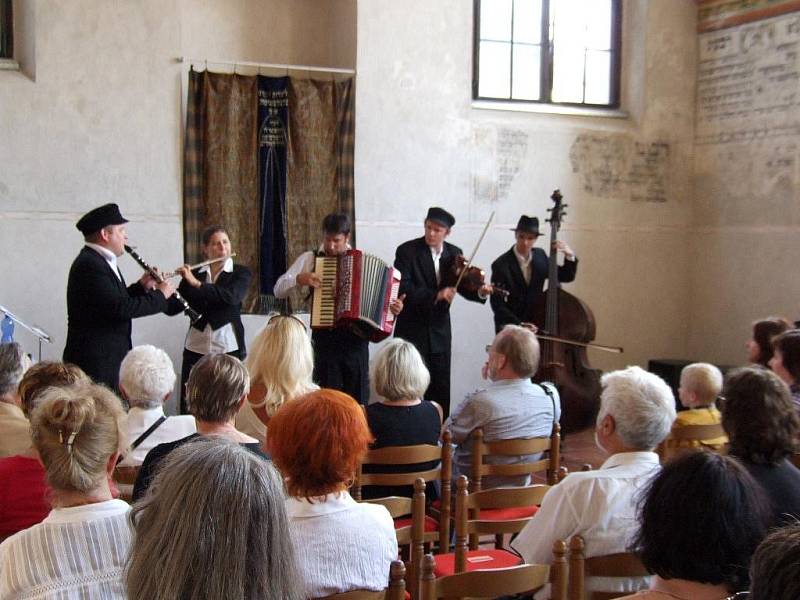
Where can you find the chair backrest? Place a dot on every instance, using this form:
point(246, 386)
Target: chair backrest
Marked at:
point(395, 591)
point(468, 514)
point(549, 464)
point(125, 477)
point(685, 437)
point(623, 564)
point(498, 582)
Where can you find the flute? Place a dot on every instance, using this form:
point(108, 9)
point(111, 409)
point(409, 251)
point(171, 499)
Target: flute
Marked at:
point(193, 315)
point(205, 263)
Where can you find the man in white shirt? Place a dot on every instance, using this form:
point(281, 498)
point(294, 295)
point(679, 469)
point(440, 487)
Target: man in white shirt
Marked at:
point(511, 407)
point(146, 381)
point(637, 409)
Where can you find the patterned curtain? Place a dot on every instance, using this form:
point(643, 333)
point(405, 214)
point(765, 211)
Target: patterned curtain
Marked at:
point(221, 152)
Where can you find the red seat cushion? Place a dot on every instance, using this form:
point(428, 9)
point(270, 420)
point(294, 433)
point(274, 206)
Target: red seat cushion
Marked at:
point(477, 560)
point(508, 514)
point(431, 524)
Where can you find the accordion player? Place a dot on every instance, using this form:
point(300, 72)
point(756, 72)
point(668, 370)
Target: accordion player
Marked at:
point(356, 289)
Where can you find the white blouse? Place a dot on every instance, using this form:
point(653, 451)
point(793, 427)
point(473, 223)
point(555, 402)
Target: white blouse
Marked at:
point(341, 545)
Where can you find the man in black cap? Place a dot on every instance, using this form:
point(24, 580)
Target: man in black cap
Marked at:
point(99, 304)
point(522, 271)
point(424, 264)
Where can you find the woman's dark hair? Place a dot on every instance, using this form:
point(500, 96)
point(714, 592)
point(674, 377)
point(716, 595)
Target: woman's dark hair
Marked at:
point(700, 519)
point(788, 343)
point(336, 223)
point(209, 231)
point(775, 570)
point(763, 332)
point(759, 416)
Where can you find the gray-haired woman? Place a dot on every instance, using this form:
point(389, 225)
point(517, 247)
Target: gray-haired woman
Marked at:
point(233, 543)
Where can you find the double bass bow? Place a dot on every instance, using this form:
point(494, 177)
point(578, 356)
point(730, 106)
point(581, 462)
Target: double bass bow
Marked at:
point(569, 328)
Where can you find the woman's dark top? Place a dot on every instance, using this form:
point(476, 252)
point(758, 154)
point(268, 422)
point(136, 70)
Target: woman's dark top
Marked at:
point(394, 425)
point(149, 467)
point(781, 482)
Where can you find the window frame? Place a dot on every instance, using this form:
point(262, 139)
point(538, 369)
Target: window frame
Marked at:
point(546, 63)
point(6, 30)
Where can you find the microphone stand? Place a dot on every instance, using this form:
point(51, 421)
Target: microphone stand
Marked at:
point(40, 334)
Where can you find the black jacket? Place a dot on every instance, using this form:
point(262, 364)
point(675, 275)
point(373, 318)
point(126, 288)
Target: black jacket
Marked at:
point(423, 321)
point(507, 274)
point(219, 303)
point(99, 312)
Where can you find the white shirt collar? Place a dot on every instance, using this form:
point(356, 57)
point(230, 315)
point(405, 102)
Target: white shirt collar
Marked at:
point(524, 260)
point(110, 257)
point(436, 253)
point(629, 458)
point(78, 514)
point(300, 508)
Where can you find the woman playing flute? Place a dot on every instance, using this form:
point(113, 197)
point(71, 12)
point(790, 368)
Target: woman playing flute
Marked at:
point(216, 291)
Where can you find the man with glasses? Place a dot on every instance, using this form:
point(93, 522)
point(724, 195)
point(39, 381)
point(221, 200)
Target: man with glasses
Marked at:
point(510, 407)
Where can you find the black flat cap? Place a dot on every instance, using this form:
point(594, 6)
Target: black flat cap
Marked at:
point(100, 217)
point(527, 225)
point(441, 216)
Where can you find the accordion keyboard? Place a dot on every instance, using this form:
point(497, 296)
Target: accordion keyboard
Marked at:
point(323, 300)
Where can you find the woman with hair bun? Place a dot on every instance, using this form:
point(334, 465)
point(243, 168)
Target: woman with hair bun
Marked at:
point(79, 550)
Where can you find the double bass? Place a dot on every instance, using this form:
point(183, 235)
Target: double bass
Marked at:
point(569, 320)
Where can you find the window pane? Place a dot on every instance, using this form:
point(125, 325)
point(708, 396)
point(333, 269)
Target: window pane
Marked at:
point(598, 25)
point(528, 21)
point(568, 22)
point(495, 70)
point(526, 72)
point(496, 20)
point(568, 74)
point(598, 78)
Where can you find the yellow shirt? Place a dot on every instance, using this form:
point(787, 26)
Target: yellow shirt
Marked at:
point(707, 415)
point(15, 437)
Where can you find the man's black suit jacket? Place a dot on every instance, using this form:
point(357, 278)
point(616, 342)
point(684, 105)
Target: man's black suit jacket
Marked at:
point(219, 303)
point(99, 312)
point(423, 321)
point(507, 273)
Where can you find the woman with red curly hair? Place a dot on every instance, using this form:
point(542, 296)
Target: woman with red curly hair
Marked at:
point(317, 441)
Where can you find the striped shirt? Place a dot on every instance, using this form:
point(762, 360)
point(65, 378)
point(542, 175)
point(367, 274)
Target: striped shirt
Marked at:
point(76, 552)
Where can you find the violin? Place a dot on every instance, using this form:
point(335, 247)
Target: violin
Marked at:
point(469, 278)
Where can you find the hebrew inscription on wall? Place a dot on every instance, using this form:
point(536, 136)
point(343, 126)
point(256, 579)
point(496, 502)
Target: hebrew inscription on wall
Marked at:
point(497, 159)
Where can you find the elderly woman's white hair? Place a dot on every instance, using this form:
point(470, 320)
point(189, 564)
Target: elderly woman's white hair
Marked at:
point(399, 372)
point(146, 376)
point(642, 405)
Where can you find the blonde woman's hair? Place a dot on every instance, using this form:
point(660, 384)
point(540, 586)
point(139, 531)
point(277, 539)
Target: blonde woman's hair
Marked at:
point(282, 360)
point(703, 379)
point(399, 372)
point(75, 430)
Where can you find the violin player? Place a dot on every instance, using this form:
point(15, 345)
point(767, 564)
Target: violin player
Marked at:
point(522, 271)
point(424, 263)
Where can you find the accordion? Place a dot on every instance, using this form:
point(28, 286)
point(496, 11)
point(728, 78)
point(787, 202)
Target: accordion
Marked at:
point(356, 289)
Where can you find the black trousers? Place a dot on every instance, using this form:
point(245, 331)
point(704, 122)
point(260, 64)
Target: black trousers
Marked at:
point(341, 362)
point(439, 389)
point(189, 360)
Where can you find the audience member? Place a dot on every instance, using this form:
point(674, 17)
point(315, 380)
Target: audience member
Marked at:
point(247, 553)
point(146, 381)
point(785, 362)
point(637, 409)
point(79, 550)
point(281, 366)
point(216, 390)
point(14, 427)
point(775, 568)
point(759, 347)
point(24, 495)
point(511, 407)
point(700, 385)
point(686, 538)
point(317, 442)
point(763, 427)
point(401, 418)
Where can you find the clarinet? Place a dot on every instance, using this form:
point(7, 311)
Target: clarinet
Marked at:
point(193, 315)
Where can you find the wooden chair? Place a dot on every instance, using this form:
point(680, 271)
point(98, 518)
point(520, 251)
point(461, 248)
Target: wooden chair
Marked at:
point(436, 528)
point(549, 465)
point(125, 477)
point(497, 582)
point(470, 524)
point(697, 436)
point(395, 591)
point(624, 564)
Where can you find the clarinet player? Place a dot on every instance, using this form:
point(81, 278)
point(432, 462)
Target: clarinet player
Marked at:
point(100, 306)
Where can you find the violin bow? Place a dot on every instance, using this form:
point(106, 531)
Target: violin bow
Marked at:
point(468, 264)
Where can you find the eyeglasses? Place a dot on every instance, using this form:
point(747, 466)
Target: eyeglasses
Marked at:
point(273, 317)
